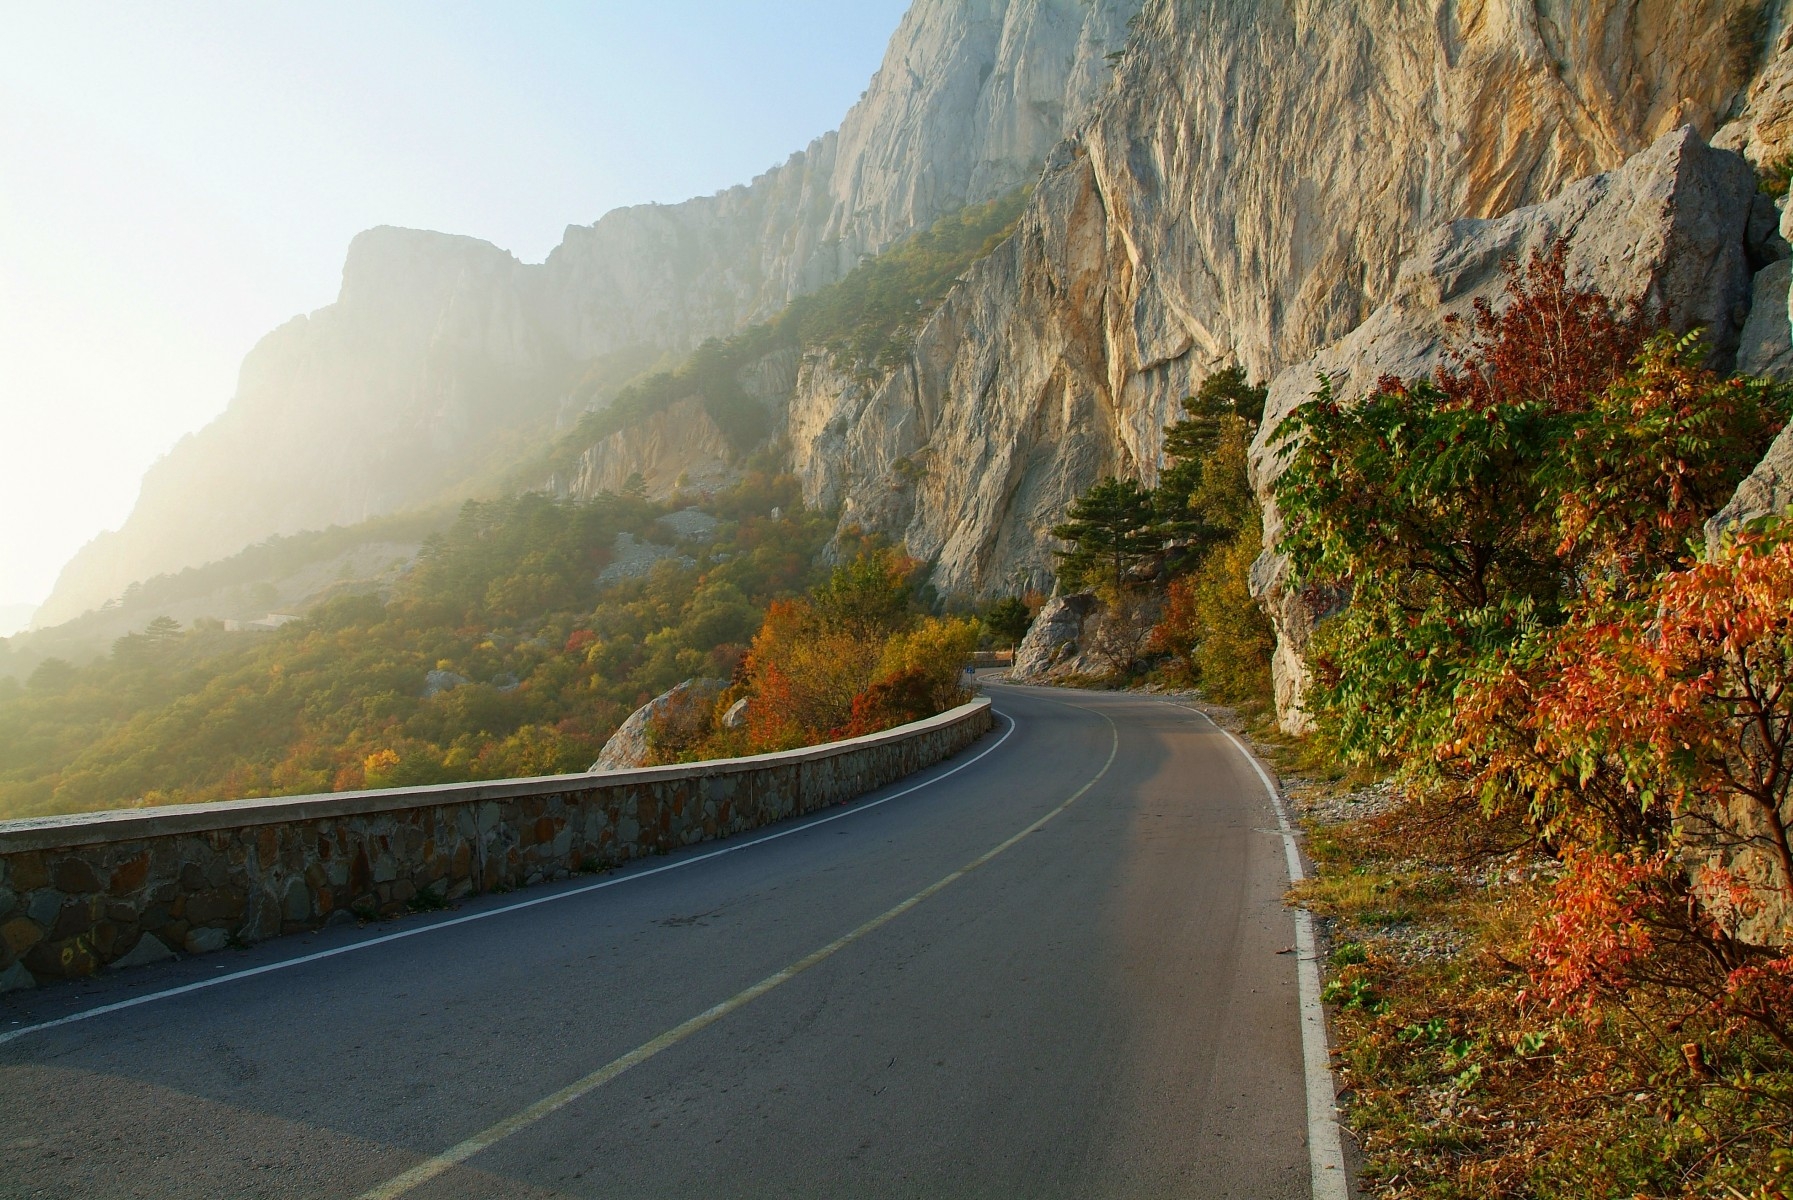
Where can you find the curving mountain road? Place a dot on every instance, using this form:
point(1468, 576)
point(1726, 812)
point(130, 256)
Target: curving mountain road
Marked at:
point(1053, 966)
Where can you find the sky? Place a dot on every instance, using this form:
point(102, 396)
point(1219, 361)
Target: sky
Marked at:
point(178, 178)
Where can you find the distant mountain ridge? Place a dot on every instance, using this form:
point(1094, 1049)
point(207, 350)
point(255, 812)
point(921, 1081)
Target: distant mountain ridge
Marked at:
point(444, 357)
point(14, 617)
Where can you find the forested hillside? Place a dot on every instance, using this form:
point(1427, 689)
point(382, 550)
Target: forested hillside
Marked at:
point(500, 655)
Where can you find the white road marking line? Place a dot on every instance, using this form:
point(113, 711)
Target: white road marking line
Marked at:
point(284, 964)
point(430, 1168)
point(1325, 1147)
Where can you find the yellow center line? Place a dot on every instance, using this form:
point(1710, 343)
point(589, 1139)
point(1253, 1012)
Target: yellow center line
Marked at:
point(457, 1154)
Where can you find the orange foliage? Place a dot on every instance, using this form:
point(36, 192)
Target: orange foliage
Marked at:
point(1649, 737)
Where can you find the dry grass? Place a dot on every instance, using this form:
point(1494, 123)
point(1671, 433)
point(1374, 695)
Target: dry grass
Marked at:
point(1458, 1085)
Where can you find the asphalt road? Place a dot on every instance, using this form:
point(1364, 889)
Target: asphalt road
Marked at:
point(1098, 1009)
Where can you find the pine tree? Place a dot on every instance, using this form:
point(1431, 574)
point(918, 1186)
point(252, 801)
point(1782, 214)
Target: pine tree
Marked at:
point(1112, 529)
point(162, 630)
point(1218, 420)
point(1008, 619)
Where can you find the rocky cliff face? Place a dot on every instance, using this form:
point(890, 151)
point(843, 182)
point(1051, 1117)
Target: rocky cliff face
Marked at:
point(1245, 193)
point(1679, 227)
point(443, 353)
point(971, 97)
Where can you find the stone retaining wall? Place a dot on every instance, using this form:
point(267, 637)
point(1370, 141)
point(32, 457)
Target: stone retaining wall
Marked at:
point(118, 888)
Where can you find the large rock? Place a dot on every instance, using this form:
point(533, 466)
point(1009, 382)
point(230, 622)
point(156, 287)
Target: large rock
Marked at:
point(1766, 344)
point(632, 745)
point(439, 681)
point(1671, 228)
point(631, 558)
point(1054, 639)
point(1767, 491)
point(737, 715)
point(149, 949)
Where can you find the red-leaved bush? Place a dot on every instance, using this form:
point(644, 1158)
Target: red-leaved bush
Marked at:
point(1653, 741)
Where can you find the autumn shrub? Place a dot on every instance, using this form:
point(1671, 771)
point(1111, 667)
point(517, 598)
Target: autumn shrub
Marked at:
point(1178, 634)
point(1653, 739)
point(1233, 647)
point(1525, 619)
point(935, 652)
point(891, 701)
point(854, 656)
point(802, 675)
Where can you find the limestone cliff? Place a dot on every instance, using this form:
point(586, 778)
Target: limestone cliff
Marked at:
point(443, 355)
point(1244, 193)
point(426, 363)
point(669, 450)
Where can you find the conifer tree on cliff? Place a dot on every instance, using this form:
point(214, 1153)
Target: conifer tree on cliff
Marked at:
point(1112, 529)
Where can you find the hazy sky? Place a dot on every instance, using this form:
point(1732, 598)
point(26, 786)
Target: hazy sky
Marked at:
point(178, 178)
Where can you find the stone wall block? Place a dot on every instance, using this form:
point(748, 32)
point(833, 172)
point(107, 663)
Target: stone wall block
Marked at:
point(205, 941)
point(214, 907)
point(110, 938)
point(75, 875)
point(28, 872)
point(130, 875)
point(293, 843)
point(65, 959)
point(44, 905)
point(76, 918)
point(21, 934)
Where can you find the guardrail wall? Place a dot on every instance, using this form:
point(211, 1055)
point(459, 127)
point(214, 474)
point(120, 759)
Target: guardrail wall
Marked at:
point(81, 892)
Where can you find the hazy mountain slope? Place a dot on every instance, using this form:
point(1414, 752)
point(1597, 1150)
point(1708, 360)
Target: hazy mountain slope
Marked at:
point(1244, 193)
point(443, 354)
